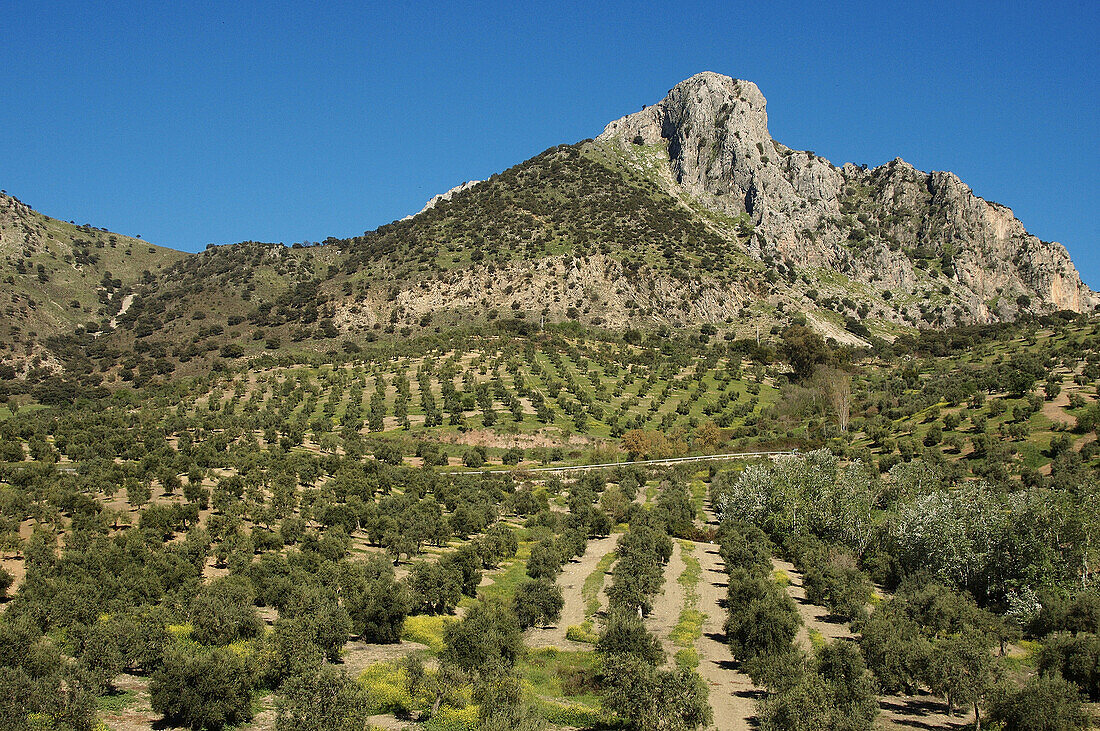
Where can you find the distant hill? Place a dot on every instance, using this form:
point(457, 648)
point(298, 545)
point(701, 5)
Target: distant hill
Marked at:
point(685, 215)
point(59, 276)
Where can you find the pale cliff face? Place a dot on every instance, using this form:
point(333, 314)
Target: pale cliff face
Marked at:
point(876, 226)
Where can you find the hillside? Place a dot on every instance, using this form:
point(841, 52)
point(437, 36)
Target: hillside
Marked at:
point(682, 216)
point(59, 276)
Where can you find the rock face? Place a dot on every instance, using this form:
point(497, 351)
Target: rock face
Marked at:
point(892, 227)
point(437, 199)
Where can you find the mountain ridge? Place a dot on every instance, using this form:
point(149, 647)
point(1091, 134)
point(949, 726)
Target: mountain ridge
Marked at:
point(684, 215)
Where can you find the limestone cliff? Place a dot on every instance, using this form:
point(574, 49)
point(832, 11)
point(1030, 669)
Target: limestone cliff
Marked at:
point(925, 238)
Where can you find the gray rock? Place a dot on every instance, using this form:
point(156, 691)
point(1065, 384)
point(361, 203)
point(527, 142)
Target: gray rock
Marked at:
point(891, 227)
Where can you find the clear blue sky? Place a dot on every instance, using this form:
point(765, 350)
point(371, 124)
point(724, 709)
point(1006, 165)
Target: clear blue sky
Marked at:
point(192, 123)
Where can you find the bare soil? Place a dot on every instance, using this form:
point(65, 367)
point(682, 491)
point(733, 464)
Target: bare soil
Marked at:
point(814, 617)
point(357, 655)
point(571, 581)
point(667, 606)
point(732, 694)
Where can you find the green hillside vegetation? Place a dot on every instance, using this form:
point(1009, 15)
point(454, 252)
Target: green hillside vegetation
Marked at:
point(304, 535)
point(59, 277)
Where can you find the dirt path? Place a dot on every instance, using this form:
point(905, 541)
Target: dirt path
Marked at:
point(732, 694)
point(571, 580)
point(1055, 410)
point(667, 606)
point(814, 617)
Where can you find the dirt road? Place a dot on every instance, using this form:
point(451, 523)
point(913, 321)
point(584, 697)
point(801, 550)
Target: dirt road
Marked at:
point(571, 580)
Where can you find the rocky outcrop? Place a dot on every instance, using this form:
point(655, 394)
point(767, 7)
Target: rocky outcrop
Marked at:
point(437, 199)
point(953, 256)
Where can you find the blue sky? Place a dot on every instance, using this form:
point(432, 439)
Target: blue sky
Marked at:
point(196, 123)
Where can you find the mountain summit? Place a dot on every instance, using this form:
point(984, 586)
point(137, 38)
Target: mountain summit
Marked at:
point(885, 227)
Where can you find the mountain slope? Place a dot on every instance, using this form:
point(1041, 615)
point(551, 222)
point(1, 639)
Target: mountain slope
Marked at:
point(892, 227)
point(58, 276)
point(685, 215)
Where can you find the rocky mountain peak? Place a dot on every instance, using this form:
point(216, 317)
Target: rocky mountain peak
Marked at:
point(885, 227)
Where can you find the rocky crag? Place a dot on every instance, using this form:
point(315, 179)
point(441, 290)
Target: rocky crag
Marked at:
point(895, 228)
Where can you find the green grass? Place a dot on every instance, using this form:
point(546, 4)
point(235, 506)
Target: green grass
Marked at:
point(552, 673)
point(583, 632)
point(116, 702)
point(507, 580)
point(689, 627)
point(593, 583)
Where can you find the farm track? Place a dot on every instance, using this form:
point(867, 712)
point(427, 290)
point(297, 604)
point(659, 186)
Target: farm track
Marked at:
point(571, 581)
point(732, 693)
point(814, 617)
point(667, 606)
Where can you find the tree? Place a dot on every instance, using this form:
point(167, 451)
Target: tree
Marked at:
point(805, 706)
point(294, 652)
point(1076, 658)
point(465, 563)
point(222, 612)
point(436, 589)
point(1045, 703)
point(804, 349)
point(487, 639)
point(499, 543)
point(537, 602)
point(624, 633)
point(652, 699)
point(961, 669)
point(765, 627)
point(377, 604)
point(838, 390)
point(545, 560)
point(138, 493)
point(707, 437)
point(850, 685)
point(321, 700)
point(202, 689)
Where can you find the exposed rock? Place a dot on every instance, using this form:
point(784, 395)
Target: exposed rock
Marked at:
point(892, 227)
point(436, 199)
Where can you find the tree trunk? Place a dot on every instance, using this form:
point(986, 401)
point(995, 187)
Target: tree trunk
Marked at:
point(977, 718)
